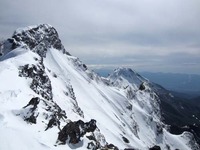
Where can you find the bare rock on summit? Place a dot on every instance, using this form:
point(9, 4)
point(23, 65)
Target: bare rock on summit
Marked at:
point(38, 39)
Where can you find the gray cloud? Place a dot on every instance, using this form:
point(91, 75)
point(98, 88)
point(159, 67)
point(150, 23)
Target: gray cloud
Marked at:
point(146, 34)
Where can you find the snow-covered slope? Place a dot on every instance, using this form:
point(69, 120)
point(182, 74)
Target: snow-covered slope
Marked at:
point(51, 100)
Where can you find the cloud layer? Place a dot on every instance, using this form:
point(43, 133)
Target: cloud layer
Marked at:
point(147, 35)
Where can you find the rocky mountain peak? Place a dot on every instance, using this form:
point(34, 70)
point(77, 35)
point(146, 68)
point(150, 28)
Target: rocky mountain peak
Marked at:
point(37, 38)
point(122, 74)
point(122, 71)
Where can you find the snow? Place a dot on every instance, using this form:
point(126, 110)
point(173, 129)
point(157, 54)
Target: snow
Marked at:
point(107, 104)
point(23, 29)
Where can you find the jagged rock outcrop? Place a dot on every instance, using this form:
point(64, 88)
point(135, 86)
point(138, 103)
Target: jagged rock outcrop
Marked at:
point(34, 102)
point(38, 39)
point(51, 112)
point(72, 132)
point(31, 112)
point(75, 130)
point(156, 147)
point(142, 87)
point(41, 83)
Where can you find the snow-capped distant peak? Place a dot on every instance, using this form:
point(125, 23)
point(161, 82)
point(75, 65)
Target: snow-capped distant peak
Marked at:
point(126, 76)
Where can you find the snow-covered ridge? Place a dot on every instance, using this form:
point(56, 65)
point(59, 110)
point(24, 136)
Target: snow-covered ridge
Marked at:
point(51, 100)
point(124, 76)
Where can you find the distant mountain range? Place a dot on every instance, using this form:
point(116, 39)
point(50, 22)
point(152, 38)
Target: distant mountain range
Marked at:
point(181, 85)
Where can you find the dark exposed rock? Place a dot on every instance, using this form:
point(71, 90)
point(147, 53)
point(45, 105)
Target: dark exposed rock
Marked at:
point(168, 147)
point(38, 39)
point(156, 147)
point(41, 83)
point(53, 122)
point(54, 75)
point(75, 130)
point(72, 130)
point(125, 139)
point(85, 66)
point(31, 119)
point(111, 146)
point(34, 101)
point(56, 112)
point(53, 113)
point(89, 126)
point(97, 140)
point(71, 94)
point(31, 115)
point(129, 107)
point(92, 138)
point(91, 146)
point(142, 87)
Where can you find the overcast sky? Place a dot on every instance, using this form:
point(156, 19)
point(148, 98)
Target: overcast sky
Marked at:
point(146, 35)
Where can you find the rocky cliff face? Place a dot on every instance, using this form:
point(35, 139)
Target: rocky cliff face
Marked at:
point(51, 100)
point(36, 38)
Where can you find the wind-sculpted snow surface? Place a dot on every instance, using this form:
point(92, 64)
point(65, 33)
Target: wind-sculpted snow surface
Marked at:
point(51, 100)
